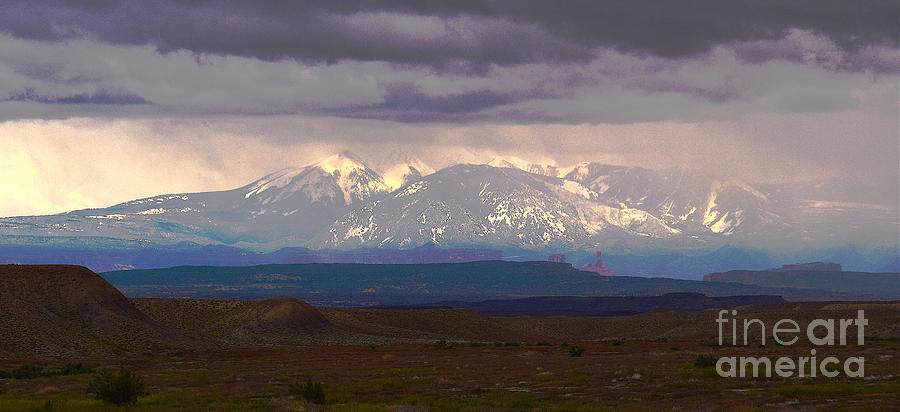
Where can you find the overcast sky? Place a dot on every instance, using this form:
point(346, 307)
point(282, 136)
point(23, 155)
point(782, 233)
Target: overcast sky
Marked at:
point(106, 101)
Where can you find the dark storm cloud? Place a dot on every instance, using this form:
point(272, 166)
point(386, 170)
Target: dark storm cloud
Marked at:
point(507, 61)
point(312, 35)
point(406, 103)
point(716, 94)
point(452, 35)
point(99, 97)
point(405, 96)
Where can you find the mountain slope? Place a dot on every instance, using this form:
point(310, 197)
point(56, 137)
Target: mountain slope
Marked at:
point(692, 202)
point(231, 322)
point(512, 203)
point(476, 204)
point(287, 207)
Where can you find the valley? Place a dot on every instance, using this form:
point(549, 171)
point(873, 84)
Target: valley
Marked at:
point(244, 355)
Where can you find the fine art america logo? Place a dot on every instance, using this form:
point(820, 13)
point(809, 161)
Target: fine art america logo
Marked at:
point(786, 332)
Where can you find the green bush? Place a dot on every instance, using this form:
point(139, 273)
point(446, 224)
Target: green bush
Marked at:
point(705, 361)
point(36, 371)
point(28, 372)
point(311, 391)
point(576, 351)
point(74, 369)
point(122, 388)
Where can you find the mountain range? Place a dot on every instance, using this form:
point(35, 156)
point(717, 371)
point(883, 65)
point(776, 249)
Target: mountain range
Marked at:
point(341, 203)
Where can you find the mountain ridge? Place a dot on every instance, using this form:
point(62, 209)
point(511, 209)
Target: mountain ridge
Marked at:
point(340, 202)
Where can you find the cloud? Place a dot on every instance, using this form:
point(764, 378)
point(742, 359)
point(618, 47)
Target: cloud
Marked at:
point(503, 61)
point(463, 35)
point(100, 97)
point(405, 102)
point(46, 79)
point(151, 96)
point(805, 47)
point(61, 165)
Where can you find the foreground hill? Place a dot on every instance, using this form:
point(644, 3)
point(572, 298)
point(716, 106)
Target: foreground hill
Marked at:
point(884, 321)
point(70, 312)
point(600, 306)
point(866, 285)
point(425, 324)
point(235, 322)
point(217, 323)
point(67, 310)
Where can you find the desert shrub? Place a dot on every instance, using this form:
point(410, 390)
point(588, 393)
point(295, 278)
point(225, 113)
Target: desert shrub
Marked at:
point(67, 369)
point(36, 371)
point(442, 344)
point(705, 361)
point(473, 393)
point(74, 369)
point(542, 343)
point(28, 372)
point(690, 371)
point(122, 388)
point(647, 374)
point(815, 390)
point(617, 342)
point(510, 343)
point(310, 391)
point(576, 351)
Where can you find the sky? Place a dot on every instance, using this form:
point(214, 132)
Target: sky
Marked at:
point(110, 100)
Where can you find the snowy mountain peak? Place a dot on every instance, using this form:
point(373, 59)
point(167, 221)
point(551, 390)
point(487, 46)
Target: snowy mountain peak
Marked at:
point(577, 173)
point(356, 180)
point(341, 164)
point(338, 175)
point(521, 164)
point(404, 172)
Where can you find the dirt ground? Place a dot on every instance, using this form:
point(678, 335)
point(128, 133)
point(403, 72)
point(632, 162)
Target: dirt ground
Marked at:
point(617, 374)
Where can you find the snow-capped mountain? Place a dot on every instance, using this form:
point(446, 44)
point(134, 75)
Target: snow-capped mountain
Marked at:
point(404, 172)
point(524, 165)
point(479, 204)
point(690, 201)
point(340, 202)
point(288, 206)
point(337, 175)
